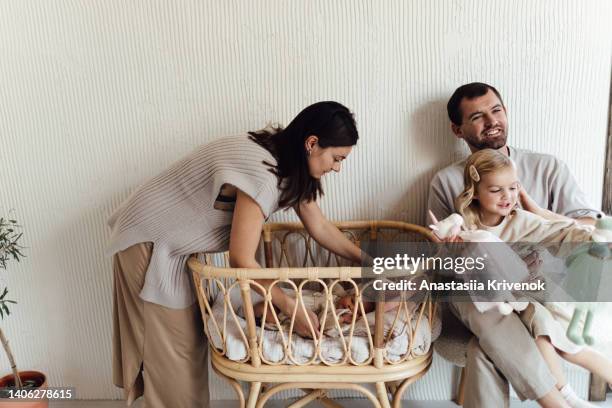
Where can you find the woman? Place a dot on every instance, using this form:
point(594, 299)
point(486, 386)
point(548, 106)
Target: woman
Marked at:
point(216, 198)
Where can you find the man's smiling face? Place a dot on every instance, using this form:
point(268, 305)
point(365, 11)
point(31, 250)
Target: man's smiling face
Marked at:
point(484, 122)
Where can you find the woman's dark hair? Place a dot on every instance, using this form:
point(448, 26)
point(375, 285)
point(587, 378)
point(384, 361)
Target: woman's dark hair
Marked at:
point(467, 91)
point(331, 122)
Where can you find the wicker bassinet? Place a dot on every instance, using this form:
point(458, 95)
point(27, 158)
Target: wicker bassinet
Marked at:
point(290, 257)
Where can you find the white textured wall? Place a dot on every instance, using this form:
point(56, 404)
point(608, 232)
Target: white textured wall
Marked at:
point(98, 96)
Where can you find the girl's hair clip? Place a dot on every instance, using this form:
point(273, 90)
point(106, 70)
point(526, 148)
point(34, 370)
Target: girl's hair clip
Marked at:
point(474, 173)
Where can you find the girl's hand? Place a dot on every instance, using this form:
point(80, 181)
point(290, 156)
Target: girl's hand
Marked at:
point(527, 202)
point(453, 238)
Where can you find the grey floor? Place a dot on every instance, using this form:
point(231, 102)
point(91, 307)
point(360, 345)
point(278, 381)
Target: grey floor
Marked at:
point(278, 404)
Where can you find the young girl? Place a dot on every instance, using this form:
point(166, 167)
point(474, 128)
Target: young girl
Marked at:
point(490, 202)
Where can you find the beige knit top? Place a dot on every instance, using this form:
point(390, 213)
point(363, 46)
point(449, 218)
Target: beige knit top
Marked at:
point(188, 209)
point(524, 226)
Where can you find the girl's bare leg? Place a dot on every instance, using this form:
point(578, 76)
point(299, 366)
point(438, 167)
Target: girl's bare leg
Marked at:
point(593, 361)
point(562, 390)
point(552, 359)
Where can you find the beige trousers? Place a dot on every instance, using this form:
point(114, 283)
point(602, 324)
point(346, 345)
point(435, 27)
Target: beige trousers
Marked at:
point(158, 353)
point(503, 351)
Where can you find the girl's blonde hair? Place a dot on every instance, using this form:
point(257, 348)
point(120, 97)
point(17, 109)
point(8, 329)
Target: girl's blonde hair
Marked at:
point(477, 165)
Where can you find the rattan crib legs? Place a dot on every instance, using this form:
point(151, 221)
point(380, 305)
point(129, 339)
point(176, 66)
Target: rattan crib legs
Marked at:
point(317, 387)
point(309, 397)
point(397, 397)
point(235, 385)
point(253, 394)
point(383, 398)
point(326, 402)
point(315, 391)
point(259, 394)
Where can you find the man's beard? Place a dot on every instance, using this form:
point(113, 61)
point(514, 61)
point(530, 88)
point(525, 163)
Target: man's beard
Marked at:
point(488, 143)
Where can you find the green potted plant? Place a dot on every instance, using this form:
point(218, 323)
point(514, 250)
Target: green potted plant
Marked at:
point(18, 384)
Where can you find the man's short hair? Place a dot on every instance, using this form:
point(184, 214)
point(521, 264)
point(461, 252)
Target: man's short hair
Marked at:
point(467, 91)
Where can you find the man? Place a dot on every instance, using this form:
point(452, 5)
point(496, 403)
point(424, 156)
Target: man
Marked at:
point(478, 116)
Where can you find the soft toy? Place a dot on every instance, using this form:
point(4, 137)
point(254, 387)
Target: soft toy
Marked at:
point(500, 263)
point(585, 269)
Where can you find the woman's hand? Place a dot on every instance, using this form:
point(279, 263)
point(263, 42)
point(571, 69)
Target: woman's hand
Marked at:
point(301, 326)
